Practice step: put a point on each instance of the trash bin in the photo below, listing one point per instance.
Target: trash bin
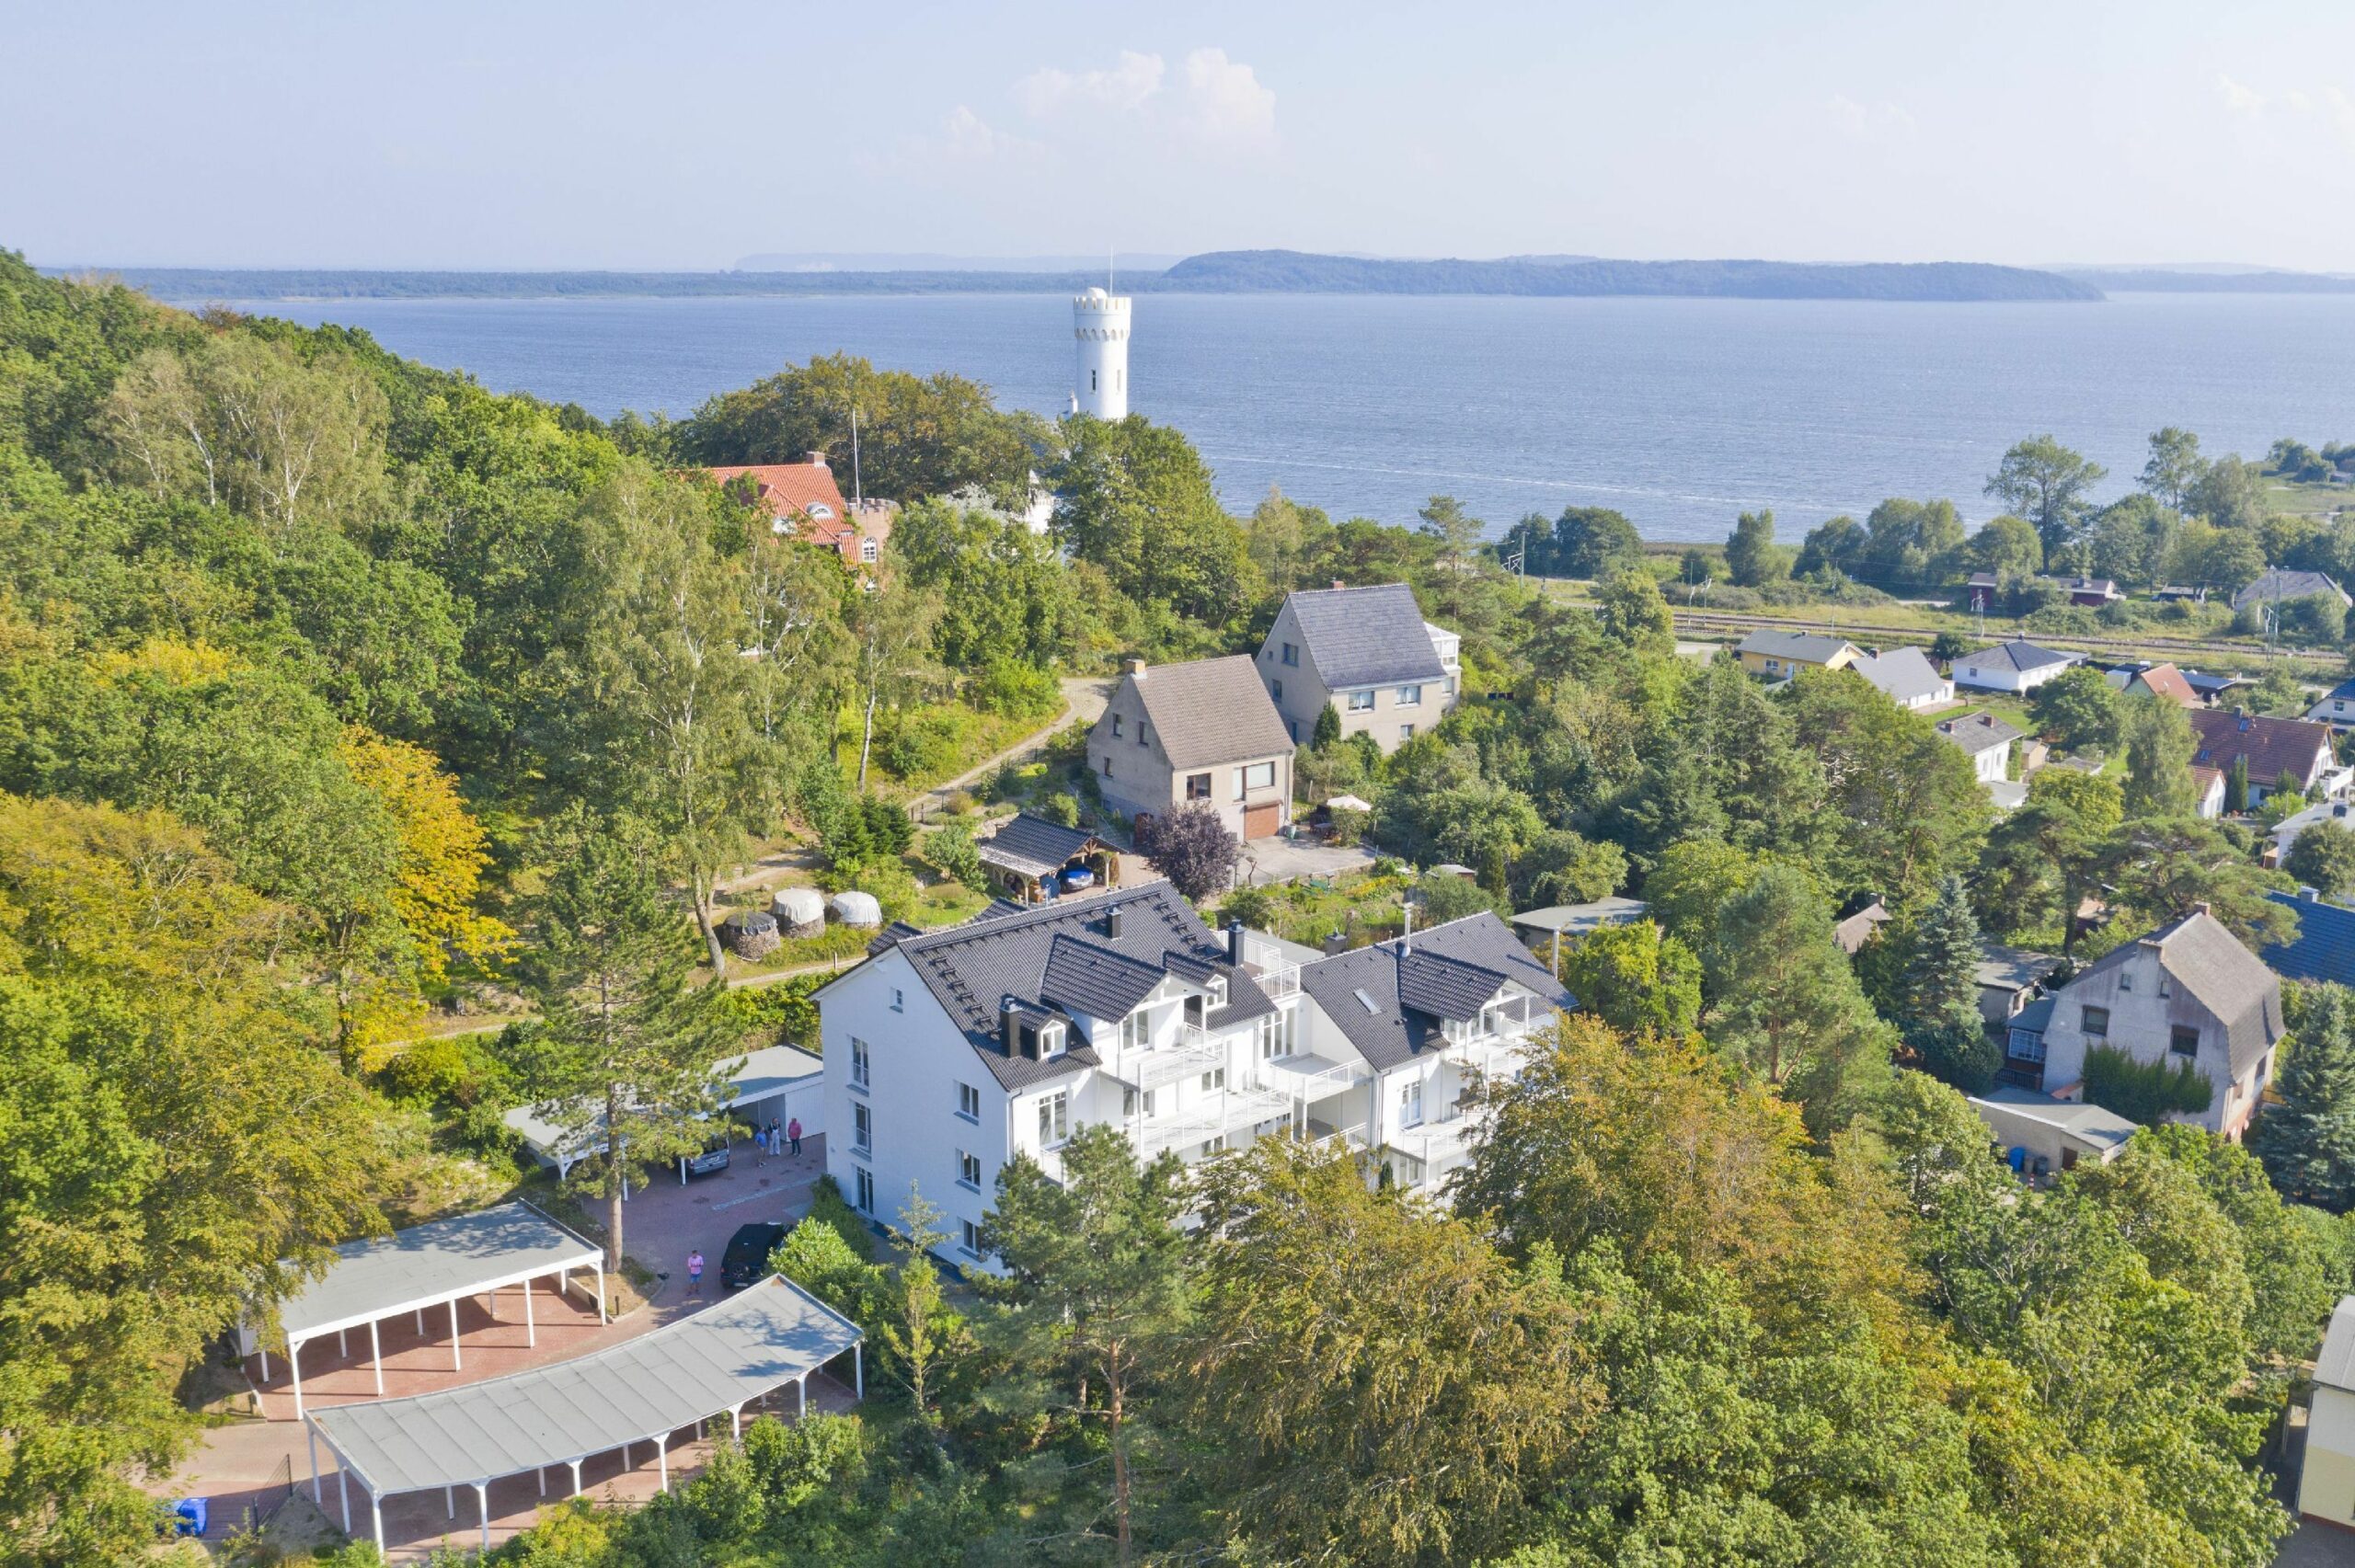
(190, 1516)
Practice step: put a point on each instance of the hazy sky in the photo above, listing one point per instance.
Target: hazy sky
(682, 135)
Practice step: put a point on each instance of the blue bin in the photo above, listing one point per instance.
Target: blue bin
(190, 1516)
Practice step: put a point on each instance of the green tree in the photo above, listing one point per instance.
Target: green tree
(2165, 869)
(2174, 466)
(1634, 977)
(1594, 542)
(627, 1058)
(1457, 531)
(2133, 540)
(2159, 743)
(2236, 787)
(2042, 860)
(2323, 856)
(1560, 866)
(1694, 569)
(1836, 545)
(1751, 554)
(2045, 483)
(1096, 1285)
(2229, 493)
(2308, 1141)
(891, 631)
(923, 1334)
(2008, 546)
(1135, 499)
(1369, 1381)
(1909, 540)
(1908, 806)
(1287, 540)
(1631, 611)
(1004, 593)
(2078, 708)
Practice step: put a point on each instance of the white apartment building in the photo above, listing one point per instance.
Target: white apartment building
(947, 1053)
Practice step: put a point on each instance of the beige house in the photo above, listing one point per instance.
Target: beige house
(1366, 652)
(1205, 731)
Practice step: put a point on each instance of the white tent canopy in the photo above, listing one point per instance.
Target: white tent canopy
(640, 1390)
(437, 1263)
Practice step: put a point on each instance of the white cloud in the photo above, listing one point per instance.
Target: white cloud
(1870, 122)
(1225, 100)
(1126, 85)
(963, 138)
(2239, 96)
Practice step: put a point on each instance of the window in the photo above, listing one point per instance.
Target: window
(2027, 1045)
(821, 512)
(1051, 1042)
(1362, 702)
(863, 1191)
(1134, 1103)
(1214, 1146)
(1091, 380)
(1259, 775)
(2126, 984)
(968, 1170)
(1279, 691)
(899, 1000)
(1292, 655)
(968, 1102)
(972, 1240)
(1117, 722)
(1055, 1118)
(1108, 767)
(2095, 1021)
(1214, 1079)
(867, 550)
(1292, 728)
(862, 1129)
(1405, 732)
(858, 1063)
(1218, 990)
(1276, 1035)
(1197, 786)
(1407, 697)
(1135, 1030)
(1144, 733)
(1410, 1103)
(2183, 1040)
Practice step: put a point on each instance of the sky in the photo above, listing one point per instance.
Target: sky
(536, 135)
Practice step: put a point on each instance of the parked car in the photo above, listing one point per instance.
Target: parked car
(711, 1160)
(747, 1258)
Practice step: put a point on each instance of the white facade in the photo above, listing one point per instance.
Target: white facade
(1100, 323)
(2001, 675)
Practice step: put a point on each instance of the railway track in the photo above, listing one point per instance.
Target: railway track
(2160, 647)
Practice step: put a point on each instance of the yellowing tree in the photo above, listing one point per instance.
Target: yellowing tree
(442, 852)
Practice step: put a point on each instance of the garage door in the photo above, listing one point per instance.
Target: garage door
(1260, 821)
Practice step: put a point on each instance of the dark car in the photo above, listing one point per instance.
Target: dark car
(747, 1258)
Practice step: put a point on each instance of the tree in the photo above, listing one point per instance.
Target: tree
(922, 1334)
(2159, 745)
(1194, 848)
(1694, 569)
(2237, 786)
(1005, 594)
(2174, 466)
(1909, 540)
(1907, 804)
(1836, 545)
(2045, 483)
(2042, 860)
(1368, 1381)
(1287, 540)
(891, 628)
(2078, 708)
(1594, 542)
(2165, 869)
(1634, 977)
(2133, 540)
(2229, 494)
(627, 1058)
(2008, 546)
(1751, 554)
(1458, 533)
(1096, 1284)
(1135, 499)
(2323, 856)
(1445, 896)
(1328, 733)
(2308, 1141)
(1631, 611)
(1560, 866)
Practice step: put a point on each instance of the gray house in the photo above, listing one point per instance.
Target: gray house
(1366, 652)
(2185, 992)
(1203, 731)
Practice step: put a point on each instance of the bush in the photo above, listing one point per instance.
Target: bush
(1194, 848)
(1061, 808)
(1016, 690)
(2144, 1091)
(781, 1014)
(1255, 907)
(951, 848)
(922, 745)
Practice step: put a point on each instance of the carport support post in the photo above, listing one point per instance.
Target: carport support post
(294, 1370)
(376, 1354)
(456, 1363)
(376, 1514)
(531, 1334)
(575, 1476)
(735, 1422)
(858, 1370)
(482, 1507)
(801, 1395)
(600, 1293)
(663, 1459)
(343, 1492)
(317, 1495)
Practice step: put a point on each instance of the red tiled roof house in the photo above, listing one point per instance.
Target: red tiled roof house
(803, 500)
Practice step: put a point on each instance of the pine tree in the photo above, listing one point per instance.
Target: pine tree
(2307, 1142)
(2236, 788)
(1941, 958)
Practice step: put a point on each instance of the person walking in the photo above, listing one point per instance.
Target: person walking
(695, 1272)
(761, 1142)
(793, 1132)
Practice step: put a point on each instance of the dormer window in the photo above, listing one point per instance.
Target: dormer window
(1218, 990)
(821, 512)
(1051, 1042)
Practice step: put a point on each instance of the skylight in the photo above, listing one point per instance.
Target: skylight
(1372, 1007)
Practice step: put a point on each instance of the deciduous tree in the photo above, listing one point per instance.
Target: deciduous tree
(2045, 483)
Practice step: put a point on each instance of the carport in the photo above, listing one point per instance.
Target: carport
(642, 1390)
(434, 1265)
(773, 1083)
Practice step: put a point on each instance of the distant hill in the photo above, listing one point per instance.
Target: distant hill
(2157, 282)
(1217, 272)
(1291, 271)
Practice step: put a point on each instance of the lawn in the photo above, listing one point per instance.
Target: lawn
(1366, 905)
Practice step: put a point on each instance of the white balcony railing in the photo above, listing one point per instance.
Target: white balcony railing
(1188, 1054)
(1224, 1113)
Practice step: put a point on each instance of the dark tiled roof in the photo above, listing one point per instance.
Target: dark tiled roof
(1807, 647)
(2271, 745)
(1365, 636)
(1394, 1031)
(1034, 846)
(2200, 955)
(970, 969)
(2275, 583)
(2324, 948)
(1974, 732)
(1445, 987)
(2035, 1017)
(2018, 654)
(892, 936)
(1211, 711)
(1085, 977)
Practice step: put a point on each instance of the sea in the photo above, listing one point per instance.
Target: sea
(1681, 412)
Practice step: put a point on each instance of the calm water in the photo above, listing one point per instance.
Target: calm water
(1679, 413)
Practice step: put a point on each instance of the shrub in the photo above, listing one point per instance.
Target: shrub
(815, 1256)
(2144, 1091)
(1061, 808)
(951, 848)
(1255, 907)
(1195, 849)
(922, 745)
(1017, 690)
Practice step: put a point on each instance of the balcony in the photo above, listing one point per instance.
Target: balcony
(1442, 1145)
(1265, 962)
(1189, 1054)
(1237, 1108)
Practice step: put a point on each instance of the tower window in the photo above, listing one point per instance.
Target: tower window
(1091, 380)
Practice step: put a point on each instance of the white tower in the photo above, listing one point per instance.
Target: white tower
(1100, 322)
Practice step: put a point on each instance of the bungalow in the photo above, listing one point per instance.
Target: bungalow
(1906, 677)
(1985, 739)
(2091, 592)
(2276, 586)
(803, 502)
(2161, 681)
(1784, 654)
(2187, 993)
(2213, 689)
(2274, 748)
(2014, 666)
(2287, 831)
(2337, 706)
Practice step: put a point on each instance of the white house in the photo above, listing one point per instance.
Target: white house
(947, 1053)
(1366, 652)
(2016, 666)
(2286, 832)
(1906, 677)
(1985, 739)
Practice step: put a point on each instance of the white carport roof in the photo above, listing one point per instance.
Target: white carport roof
(426, 1265)
(766, 1072)
(717, 1360)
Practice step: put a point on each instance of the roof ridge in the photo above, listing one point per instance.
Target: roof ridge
(1042, 914)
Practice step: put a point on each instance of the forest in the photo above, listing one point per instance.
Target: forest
(340, 695)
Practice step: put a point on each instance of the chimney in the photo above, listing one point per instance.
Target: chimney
(817, 459)
(1112, 923)
(1136, 668)
(1009, 1026)
(1339, 585)
(2310, 895)
(1407, 935)
(1235, 943)
(2201, 908)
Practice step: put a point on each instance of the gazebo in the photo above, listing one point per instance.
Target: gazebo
(435, 1264)
(1028, 854)
(642, 1390)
